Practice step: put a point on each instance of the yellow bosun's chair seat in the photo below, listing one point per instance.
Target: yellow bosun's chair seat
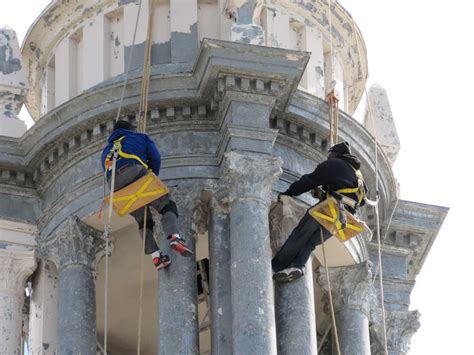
(138, 194)
(326, 213)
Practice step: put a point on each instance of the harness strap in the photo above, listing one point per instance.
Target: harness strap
(359, 190)
(118, 148)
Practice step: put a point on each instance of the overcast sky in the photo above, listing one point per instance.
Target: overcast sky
(422, 53)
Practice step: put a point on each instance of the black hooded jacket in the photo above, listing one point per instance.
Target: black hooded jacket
(332, 174)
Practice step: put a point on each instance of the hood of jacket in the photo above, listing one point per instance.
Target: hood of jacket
(351, 159)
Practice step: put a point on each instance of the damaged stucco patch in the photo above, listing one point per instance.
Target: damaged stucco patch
(184, 45)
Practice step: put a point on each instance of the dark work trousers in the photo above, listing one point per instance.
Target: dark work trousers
(300, 244)
(164, 205)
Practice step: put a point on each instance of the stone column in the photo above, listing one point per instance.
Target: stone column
(178, 328)
(219, 275)
(249, 180)
(75, 250)
(294, 301)
(353, 296)
(15, 267)
(401, 325)
(44, 311)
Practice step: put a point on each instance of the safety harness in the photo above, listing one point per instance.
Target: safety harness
(333, 216)
(119, 153)
(139, 193)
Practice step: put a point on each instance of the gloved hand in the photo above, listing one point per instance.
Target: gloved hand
(285, 193)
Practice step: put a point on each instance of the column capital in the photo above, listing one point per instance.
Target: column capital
(284, 216)
(74, 243)
(401, 326)
(351, 286)
(250, 176)
(15, 268)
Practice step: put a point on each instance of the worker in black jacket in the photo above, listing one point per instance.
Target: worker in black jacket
(339, 171)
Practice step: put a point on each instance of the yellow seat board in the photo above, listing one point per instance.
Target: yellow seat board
(326, 213)
(138, 194)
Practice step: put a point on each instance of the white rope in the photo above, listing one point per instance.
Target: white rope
(376, 208)
(108, 221)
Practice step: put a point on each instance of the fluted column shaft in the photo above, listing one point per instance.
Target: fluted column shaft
(353, 297)
(15, 267)
(178, 329)
(75, 248)
(220, 280)
(294, 301)
(249, 179)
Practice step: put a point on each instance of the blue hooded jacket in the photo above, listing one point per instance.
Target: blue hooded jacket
(135, 143)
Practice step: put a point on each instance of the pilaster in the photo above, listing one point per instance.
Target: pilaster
(220, 275)
(15, 267)
(43, 325)
(245, 29)
(12, 85)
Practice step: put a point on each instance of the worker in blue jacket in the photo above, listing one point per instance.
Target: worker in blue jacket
(144, 153)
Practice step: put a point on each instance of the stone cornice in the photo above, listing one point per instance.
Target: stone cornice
(413, 230)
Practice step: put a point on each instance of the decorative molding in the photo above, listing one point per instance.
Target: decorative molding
(351, 287)
(284, 216)
(401, 326)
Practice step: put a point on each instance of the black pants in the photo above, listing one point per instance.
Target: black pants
(300, 244)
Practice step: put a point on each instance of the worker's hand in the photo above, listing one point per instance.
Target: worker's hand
(285, 193)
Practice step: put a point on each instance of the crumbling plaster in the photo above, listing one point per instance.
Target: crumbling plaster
(61, 19)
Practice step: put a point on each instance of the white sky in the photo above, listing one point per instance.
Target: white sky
(422, 53)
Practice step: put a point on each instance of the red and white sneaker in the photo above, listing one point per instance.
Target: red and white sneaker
(161, 262)
(179, 245)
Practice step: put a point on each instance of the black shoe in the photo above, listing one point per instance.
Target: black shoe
(288, 274)
(161, 262)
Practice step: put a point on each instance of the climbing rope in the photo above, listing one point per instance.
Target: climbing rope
(108, 221)
(331, 303)
(143, 109)
(376, 209)
(331, 97)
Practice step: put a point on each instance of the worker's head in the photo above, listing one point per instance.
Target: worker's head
(339, 149)
(122, 124)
